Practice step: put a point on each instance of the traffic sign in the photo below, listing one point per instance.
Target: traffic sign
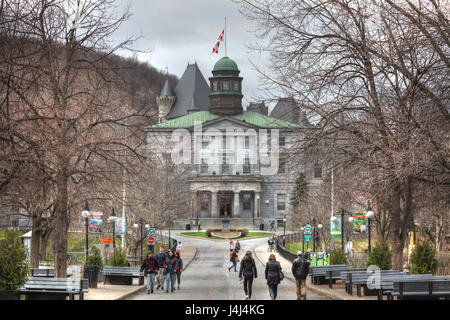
(151, 240)
(107, 241)
(307, 229)
(307, 238)
(151, 232)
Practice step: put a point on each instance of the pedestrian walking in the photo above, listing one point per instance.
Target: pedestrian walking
(199, 223)
(179, 248)
(275, 244)
(179, 270)
(269, 243)
(274, 275)
(237, 246)
(247, 272)
(272, 226)
(308, 255)
(234, 258)
(150, 268)
(171, 266)
(161, 276)
(231, 244)
(300, 270)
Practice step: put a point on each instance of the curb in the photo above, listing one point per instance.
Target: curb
(126, 295)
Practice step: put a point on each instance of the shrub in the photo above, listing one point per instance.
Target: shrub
(118, 258)
(95, 258)
(208, 233)
(338, 256)
(13, 262)
(423, 259)
(244, 232)
(381, 256)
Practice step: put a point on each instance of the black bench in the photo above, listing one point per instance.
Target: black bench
(336, 274)
(43, 273)
(319, 273)
(46, 288)
(390, 286)
(122, 275)
(421, 290)
(360, 278)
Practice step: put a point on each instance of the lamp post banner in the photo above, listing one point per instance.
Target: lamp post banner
(95, 222)
(336, 227)
(359, 222)
(119, 225)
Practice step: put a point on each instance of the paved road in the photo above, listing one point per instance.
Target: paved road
(208, 278)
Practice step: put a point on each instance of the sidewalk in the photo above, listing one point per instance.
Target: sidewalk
(117, 292)
(337, 293)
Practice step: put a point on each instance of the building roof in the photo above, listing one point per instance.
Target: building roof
(167, 89)
(191, 93)
(250, 117)
(288, 110)
(225, 64)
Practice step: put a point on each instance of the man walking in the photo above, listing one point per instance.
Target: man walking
(161, 259)
(199, 225)
(272, 226)
(149, 268)
(300, 270)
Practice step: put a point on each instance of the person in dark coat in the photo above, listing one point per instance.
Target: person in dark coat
(171, 265)
(273, 276)
(237, 246)
(300, 270)
(160, 277)
(180, 269)
(150, 268)
(247, 272)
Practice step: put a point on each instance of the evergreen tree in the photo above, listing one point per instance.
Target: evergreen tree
(381, 256)
(423, 259)
(118, 258)
(337, 256)
(95, 258)
(13, 263)
(300, 192)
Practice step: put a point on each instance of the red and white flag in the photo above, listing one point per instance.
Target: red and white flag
(216, 46)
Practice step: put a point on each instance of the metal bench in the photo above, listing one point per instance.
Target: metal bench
(360, 277)
(390, 286)
(122, 275)
(42, 272)
(46, 288)
(319, 273)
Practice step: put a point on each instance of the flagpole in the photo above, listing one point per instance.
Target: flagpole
(225, 36)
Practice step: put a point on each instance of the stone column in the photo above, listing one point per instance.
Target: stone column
(236, 207)
(257, 209)
(195, 212)
(214, 207)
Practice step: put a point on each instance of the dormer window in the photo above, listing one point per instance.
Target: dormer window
(215, 85)
(236, 85)
(226, 85)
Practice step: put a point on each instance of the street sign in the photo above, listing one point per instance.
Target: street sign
(307, 229)
(151, 232)
(107, 241)
(307, 238)
(151, 240)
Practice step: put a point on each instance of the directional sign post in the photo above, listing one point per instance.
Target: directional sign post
(307, 238)
(151, 232)
(307, 229)
(151, 240)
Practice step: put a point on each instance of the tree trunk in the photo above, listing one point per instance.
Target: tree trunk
(61, 225)
(45, 235)
(35, 240)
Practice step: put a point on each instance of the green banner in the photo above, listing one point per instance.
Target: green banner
(359, 222)
(307, 238)
(335, 227)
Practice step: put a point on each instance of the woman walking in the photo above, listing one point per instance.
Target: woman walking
(248, 271)
(234, 259)
(150, 268)
(170, 266)
(179, 269)
(273, 276)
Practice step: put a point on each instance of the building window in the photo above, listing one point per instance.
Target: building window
(281, 202)
(215, 85)
(247, 142)
(317, 172)
(246, 165)
(282, 165)
(205, 142)
(226, 85)
(204, 167)
(246, 203)
(236, 85)
(282, 141)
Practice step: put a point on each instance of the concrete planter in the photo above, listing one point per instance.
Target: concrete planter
(9, 295)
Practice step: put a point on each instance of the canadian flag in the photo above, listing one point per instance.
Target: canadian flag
(216, 46)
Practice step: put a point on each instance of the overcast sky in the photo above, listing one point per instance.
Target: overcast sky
(177, 32)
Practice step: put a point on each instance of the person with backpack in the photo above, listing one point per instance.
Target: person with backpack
(234, 259)
(269, 243)
(237, 246)
(171, 265)
(150, 268)
(274, 275)
(300, 270)
(160, 276)
(247, 272)
(180, 269)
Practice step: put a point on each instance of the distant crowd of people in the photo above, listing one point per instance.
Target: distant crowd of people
(165, 268)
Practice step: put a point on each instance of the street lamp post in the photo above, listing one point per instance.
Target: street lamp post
(113, 218)
(284, 231)
(303, 242)
(369, 214)
(140, 223)
(85, 215)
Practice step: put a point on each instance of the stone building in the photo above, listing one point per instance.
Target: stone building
(233, 171)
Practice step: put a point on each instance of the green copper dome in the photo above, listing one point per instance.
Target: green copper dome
(225, 64)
